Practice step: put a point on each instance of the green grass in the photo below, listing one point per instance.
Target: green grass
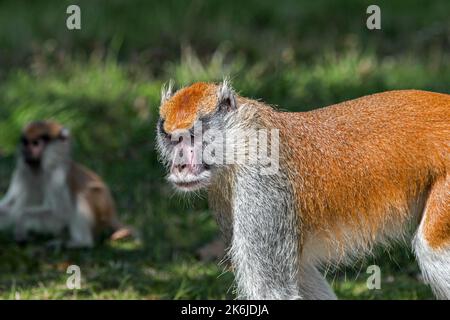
(116, 271)
(103, 82)
(129, 270)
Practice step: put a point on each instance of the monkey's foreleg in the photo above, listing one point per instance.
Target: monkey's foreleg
(5, 209)
(33, 217)
(265, 244)
(4, 206)
(7, 203)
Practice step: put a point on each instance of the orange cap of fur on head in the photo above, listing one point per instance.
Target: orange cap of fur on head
(38, 129)
(182, 110)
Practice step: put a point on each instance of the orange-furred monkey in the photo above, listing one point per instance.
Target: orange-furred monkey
(349, 176)
(49, 192)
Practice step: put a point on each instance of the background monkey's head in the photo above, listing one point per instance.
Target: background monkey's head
(186, 117)
(37, 138)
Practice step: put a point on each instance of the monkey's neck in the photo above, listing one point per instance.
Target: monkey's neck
(220, 192)
(34, 166)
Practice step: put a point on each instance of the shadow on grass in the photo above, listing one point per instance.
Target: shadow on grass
(128, 270)
(400, 277)
(121, 270)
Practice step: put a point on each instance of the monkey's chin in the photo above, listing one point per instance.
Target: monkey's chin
(190, 182)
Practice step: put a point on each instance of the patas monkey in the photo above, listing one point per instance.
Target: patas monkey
(350, 176)
(50, 193)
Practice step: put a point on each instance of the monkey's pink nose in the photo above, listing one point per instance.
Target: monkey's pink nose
(186, 169)
(180, 168)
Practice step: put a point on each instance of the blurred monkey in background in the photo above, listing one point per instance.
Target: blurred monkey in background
(49, 193)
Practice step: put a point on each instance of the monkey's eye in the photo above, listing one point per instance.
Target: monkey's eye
(45, 138)
(161, 128)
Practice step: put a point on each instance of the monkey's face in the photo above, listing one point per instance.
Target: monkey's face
(185, 119)
(35, 139)
(187, 171)
(33, 149)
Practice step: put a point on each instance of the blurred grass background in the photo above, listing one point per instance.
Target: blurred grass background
(103, 82)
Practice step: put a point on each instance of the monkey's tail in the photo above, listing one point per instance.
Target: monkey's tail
(122, 231)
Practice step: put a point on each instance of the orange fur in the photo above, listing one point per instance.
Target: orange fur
(181, 111)
(39, 128)
(437, 214)
(363, 164)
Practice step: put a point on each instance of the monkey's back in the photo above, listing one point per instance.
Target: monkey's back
(366, 163)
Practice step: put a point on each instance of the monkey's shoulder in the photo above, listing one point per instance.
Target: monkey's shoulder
(82, 179)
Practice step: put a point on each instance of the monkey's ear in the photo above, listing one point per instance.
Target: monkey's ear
(226, 97)
(64, 134)
(167, 91)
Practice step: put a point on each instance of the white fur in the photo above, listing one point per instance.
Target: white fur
(226, 93)
(167, 91)
(80, 226)
(434, 263)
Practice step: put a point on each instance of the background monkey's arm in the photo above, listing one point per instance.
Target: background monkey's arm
(11, 195)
